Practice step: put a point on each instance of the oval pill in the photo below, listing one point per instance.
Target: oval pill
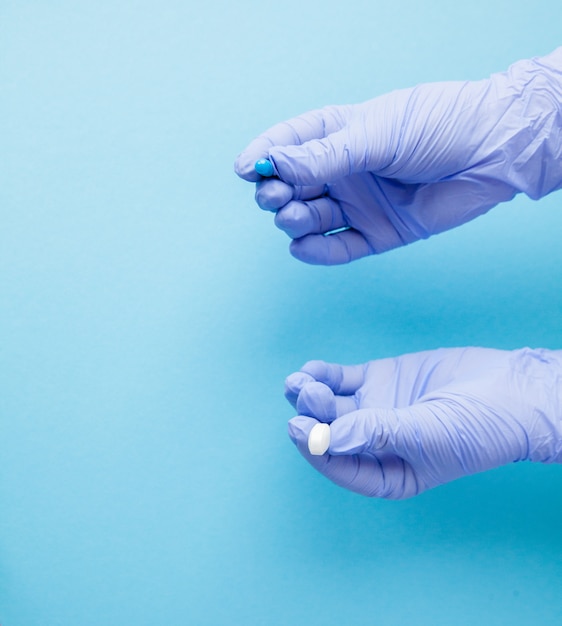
(319, 439)
(264, 167)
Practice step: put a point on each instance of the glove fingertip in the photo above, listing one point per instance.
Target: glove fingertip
(309, 249)
(323, 250)
(299, 428)
(337, 248)
(293, 385)
(244, 167)
(272, 194)
(317, 400)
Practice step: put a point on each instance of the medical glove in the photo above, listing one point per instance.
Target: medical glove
(403, 425)
(412, 163)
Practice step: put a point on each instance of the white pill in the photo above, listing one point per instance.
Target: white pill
(319, 439)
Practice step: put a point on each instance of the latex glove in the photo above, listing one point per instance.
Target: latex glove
(411, 163)
(401, 426)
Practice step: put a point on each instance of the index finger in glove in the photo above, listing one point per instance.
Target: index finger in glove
(315, 124)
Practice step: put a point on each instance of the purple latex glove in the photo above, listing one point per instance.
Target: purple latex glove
(401, 426)
(411, 163)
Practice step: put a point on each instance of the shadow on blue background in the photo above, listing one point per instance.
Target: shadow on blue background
(149, 314)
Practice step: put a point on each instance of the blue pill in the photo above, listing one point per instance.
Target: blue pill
(264, 168)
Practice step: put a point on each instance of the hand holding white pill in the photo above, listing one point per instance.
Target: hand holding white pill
(396, 427)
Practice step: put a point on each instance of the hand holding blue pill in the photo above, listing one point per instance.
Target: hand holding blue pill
(398, 427)
(409, 164)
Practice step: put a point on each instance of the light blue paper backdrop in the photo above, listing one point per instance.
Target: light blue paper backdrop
(149, 314)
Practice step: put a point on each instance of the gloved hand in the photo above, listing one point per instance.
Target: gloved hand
(411, 163)
(401, 426)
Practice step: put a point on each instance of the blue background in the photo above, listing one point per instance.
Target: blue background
(149, 314)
